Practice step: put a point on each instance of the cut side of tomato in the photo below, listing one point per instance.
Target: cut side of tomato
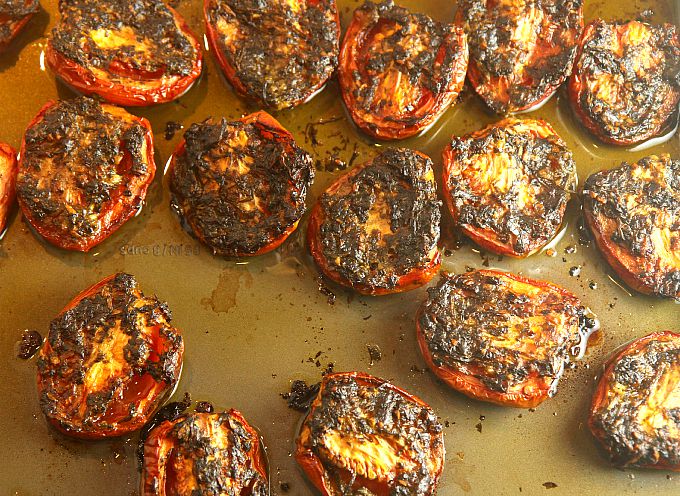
(633, 212)
(128, 53)
(376, 228)
(204, 453)
(14, 15)
(520, 52)
(8, 176)
(400, 71)
(240, 187)
(625, 87)
(109, 361)
(507, 185)
(84, 171)
(364, 435)
(634, 413)
(279, 54)
(501, 337)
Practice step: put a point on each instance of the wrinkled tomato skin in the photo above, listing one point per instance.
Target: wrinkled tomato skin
(8, 176)
(426, 110)
(85, 82)
(125, 212)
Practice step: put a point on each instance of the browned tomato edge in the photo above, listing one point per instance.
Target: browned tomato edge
(55, 238)
(311, 464)
(7, 202)
(108, 433)
(152, 445)
(16, 29)
(85, 82)
(383, 128)
(603, 386)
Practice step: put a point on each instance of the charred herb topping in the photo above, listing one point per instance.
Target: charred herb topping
(637, 207)
(635, 413)
(371, 432)
(513, 179)
(12, 12)
(521, 51)
(501, 330)
(81, 161)
(281, 52)
(630, 77)
(143, 36)
(240, 186)
(99, 349)
(301, 395)
(384, 223)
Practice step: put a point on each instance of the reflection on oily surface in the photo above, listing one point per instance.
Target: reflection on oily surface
(282, 326)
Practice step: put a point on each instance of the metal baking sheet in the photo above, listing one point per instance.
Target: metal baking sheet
(251, 326)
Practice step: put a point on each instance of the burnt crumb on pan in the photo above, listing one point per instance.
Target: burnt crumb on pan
(636, 209)
(514, 66)
(325, 290)
(240, 186)
(284, 486)
(386, 223)
(171, 127)
(374, 353)
(301, 395)
(204, 407)
(13, 12)
(549, 485)
(30, 343)
(635, 414)
(166, 48)
(626, 82)
(281, 55)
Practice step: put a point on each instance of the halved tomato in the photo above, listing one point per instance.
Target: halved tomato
(240, 186)
(204, 453)
(376, 228)
(626, 85)
(520, 52)
(364, 435)
(110, 359)
(400, 71)
(507, 185)
(635, 410)
(500, 337)
(279, 54)
(84, 170)
(129, 53)
(633, 212)
(8, 176)
(14, 15)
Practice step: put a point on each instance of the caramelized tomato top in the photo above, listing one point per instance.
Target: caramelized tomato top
(635, 210)
(509, 183)
(211, 454)
(241, 185)
(399, 71)
(381, 221)
(108, 361)
(365, 436)
(139, 40)
(636, 409)
(13, 12)
(278, 52)
(626, 82)
(84, 170)
(520, 51)
(511, 334)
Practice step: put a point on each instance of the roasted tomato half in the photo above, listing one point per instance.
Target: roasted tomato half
(507, 185)
(501, 337)
(129, 53)
(84, 170)
(520, 52)
(204, 453)
(400, 71)
(633, 212)
(635, 413)
(8, 175)
(14, 15)
(626, 81)
(279, 54)
(111, 357)
(363, 435)
(240, 186)
(376, 228)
